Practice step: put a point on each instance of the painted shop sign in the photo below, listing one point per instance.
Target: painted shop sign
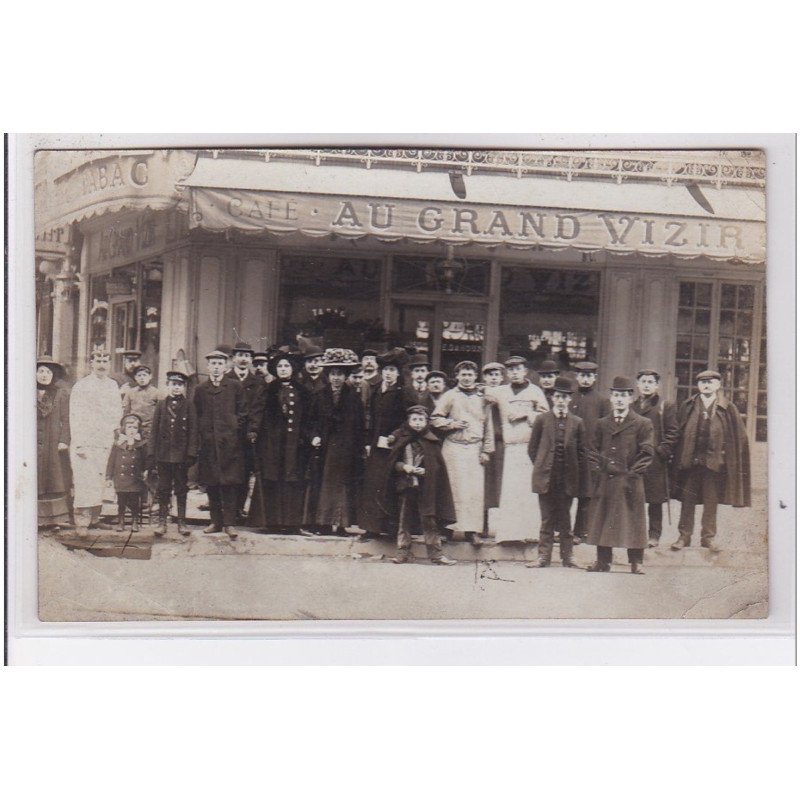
(460, 223)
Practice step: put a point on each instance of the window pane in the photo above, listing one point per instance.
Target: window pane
(726, 323)
(744, 323)
(742, 376)
(740, 400)
(333, 301)
(702, 321)
(726, 370)
(684, 347)
(457, 276)
(728, 297)
(761, 430)
(98, 313)
(704, 295)
(700, 352)
(685, 320)
(683, 374)
(549, 313)
(726, 348)
(762, 403)
(742, 349)
(746, 296)
(686, 297)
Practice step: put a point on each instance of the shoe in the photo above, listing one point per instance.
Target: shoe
(232, 532)
(599, 566)
(652, 542)
(212, 528)
(120, 524)
(636, 569)
(679, 544)
(542, 563)
(443, 561)
(134, 527)
(182, 529)
(403, 557)
(576, 540)
(568, 563)
(161, 528)
(710, 546)
(473, 538)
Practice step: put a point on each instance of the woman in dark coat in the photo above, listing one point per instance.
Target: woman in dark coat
(386, 414)
(280, 416)
(338, 441)
(52, 440)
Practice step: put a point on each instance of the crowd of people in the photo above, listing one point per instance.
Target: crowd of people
(327, 442)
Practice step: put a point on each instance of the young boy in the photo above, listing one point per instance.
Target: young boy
(423, 490)
(141, 398)
(172, 448)
(125, 469)
(557, 449)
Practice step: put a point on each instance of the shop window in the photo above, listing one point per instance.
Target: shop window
(333, 301)
(450, 275)
(150, 313)
(761, 395)
(549, 314)
(715, 330)
(98, 313)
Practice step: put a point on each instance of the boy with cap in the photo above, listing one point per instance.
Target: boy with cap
(172, 448)
(519, 403)
(712, 459)
(125, 470)
(141, 398)
(221, 419)
(557, 450)
(661, 414)
(590, 406)
(462, 413)
(424, 498)
(620, 453)
(548, 371)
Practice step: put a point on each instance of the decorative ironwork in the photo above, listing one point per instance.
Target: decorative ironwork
(728, 168)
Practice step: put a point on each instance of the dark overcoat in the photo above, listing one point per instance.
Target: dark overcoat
(126, 465)
(542, 452)
(664, 417)
(619, 456)
(386, 414)
(411, 397)
(340, 426)
(251, 385)
(284, 431)
(52, 429)
(173, 434)
(591, 407)
(728, 453)
(221, 417)
(435, 495)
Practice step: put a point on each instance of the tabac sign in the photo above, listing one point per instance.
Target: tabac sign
(461, 223)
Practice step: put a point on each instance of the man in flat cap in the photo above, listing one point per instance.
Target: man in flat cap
(221, 421)
(519, 402)
(548, 371)
(242, 357)
(557, 449)
(662, 414)
(620, 453)
(712, 460)
(95, 408)
(591, 407)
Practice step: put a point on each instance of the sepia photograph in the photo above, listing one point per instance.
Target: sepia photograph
(350, 383)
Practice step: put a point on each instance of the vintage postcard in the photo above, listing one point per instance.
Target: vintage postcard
(400, 384)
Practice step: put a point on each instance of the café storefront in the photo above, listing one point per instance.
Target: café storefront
(463, 255)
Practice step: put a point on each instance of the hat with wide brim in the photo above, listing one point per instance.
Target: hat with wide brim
(55, 367)
(293, 358)
(622, 383)
(341, 358)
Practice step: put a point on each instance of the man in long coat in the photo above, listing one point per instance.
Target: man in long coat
(620, 454)
(221, 418)
(95, 409)
(590, 406)
(557, 449)
(712, 460)
(665, 430)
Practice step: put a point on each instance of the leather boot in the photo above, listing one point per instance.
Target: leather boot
(182, 529)
(163, 510)
(680, 543)
(121, 521)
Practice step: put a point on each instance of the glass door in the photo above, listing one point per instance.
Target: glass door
(415, 324)
(461, 334)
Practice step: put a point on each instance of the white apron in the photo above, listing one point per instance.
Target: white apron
(89, 475)
(519, 517)
(465, 472)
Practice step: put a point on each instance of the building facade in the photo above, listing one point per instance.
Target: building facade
(631, 259)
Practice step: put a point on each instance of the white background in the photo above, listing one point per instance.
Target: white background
(386, 732)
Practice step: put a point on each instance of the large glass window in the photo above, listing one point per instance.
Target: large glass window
(549, 314)
(334, 301)
(449, 275)
(694, 334)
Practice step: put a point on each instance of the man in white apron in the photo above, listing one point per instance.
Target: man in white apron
(519, 403)
(95, 409)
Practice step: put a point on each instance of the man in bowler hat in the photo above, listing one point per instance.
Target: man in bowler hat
(620, 453)
(548, 372)
(557, 449)
(712, 460)
(415, 392)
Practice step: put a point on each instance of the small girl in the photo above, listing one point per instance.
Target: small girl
(125, 469)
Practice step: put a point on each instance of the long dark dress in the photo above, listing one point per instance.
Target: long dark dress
(281, 416)
(386, 414)
(340, 425)
(52, 429)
